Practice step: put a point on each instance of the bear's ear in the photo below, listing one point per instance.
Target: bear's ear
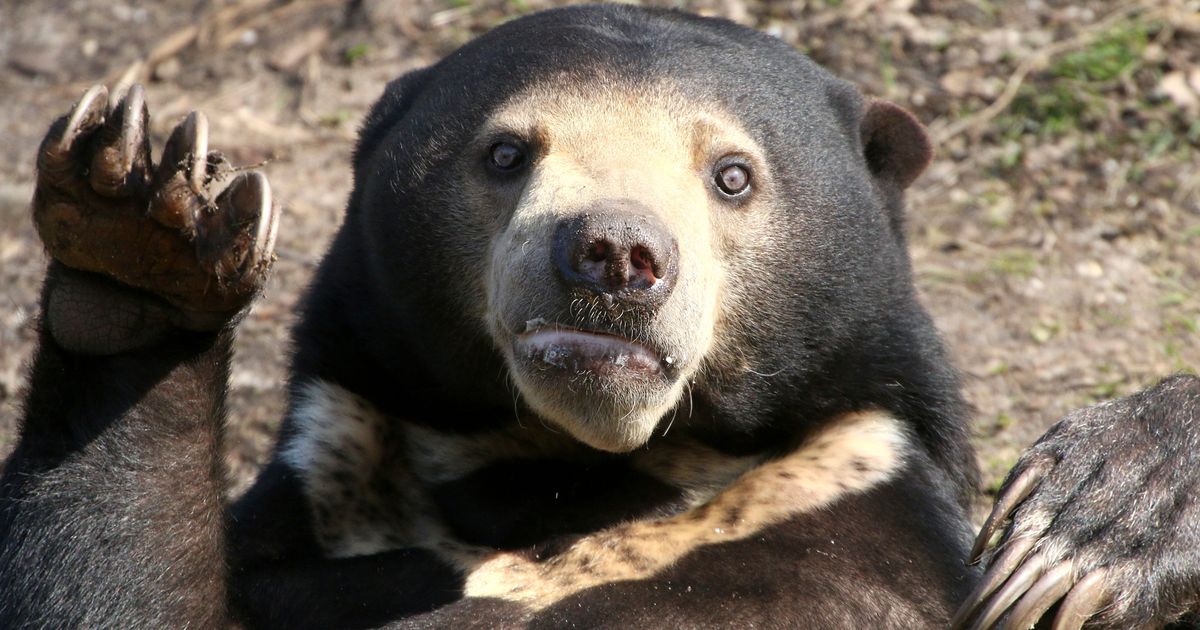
(895, 143)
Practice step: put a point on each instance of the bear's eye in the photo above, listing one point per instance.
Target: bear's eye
(506, 156)
(733, 179)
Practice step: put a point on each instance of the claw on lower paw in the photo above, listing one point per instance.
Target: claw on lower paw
(1083, 602)
(1050, 588)
(1010, 497)
(1014, 588)
(1009, 560)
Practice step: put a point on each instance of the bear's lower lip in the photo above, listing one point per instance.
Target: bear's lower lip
(577, 351)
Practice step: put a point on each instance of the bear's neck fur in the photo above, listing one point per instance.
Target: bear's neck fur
(351, 334)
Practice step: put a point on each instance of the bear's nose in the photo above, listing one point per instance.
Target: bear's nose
(616, 249)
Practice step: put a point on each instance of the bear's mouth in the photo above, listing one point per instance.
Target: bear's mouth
(577, 351)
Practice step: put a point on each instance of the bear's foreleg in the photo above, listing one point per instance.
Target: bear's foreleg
(111, 506)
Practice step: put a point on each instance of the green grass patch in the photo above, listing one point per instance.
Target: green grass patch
(887, 68)
(1193, 132)
(1014, 262)
(1043, 332)
(357, 52)
(1069, 95)
(1182, 326)
(1173, 298)
(335, 119)
(1105, 390)
(518, 6)
(1112, 55)
(1050, 110)
(1002, 465)
(1110, 318)
(1178, 362)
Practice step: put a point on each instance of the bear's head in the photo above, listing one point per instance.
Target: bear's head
(626, 215)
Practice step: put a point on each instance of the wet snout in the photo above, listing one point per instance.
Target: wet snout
(619, 249)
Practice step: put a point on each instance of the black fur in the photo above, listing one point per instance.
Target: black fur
(111, 510)
(110, 506)
(868, 343)
(526, 502)
(1118, 493)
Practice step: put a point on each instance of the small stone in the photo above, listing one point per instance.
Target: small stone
(290, 57)
(1089, 269)
(167, 70)
(35, 63)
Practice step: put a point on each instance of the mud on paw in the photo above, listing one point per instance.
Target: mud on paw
(191, 230)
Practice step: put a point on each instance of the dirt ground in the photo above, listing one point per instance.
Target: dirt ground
(1056, 238)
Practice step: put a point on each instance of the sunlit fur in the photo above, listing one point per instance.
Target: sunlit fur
(667, 147)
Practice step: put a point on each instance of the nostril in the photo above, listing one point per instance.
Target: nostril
(597, 251)
(642, 259)
(626, 255)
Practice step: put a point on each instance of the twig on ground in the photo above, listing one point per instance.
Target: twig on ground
(273, 16)
(254, 13)
(176, 42)
(1037, 61)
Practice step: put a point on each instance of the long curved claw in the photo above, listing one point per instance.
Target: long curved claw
(1010, 497)
(241, 233)
(1013, 589)
(86, 117)
(1041, 596)
(179, 182)
(121, 160)
(1010, 559)
(198, 167)
(135, 142)
(254, 199)
(1084, 601)
(264, 250)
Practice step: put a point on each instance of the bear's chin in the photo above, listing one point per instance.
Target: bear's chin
(612, 435)
(606, 391)
(599, 425)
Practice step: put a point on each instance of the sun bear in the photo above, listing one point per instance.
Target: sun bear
(619, 331)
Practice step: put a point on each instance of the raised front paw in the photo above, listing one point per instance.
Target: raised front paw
(1105, 520)
(190, 230)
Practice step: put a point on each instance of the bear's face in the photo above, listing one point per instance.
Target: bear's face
(607, 277)
(627, 216)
